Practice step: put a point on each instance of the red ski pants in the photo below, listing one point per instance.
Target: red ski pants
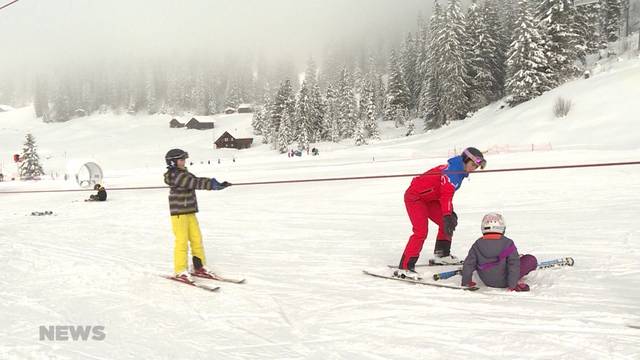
(420, 212)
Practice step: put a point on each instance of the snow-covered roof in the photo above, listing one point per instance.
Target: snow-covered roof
(245, 106)
(4, 108)
(237, 133)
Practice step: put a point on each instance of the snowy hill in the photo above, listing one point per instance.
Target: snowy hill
(302, 247)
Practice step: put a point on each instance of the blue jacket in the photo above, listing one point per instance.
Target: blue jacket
(456, 167)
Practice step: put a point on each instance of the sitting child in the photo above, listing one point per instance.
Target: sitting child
(496, 258)
(100, 196)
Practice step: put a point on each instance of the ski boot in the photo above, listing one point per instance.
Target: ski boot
(407, 274)
(442, 254)
(185, 277)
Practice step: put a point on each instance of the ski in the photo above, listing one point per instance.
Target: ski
(218, 278)
(198, 285)
(566, 261)
(428, 283)
(431, 263)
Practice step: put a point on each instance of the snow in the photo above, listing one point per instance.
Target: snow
(5, 108)
(303, 246)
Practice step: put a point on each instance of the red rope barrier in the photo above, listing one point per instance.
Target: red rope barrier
(558, 167)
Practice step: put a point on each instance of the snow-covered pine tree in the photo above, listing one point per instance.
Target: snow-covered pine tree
(453, 74)
(509, 15)
(284, 136)
(409, 67)
(311, 73)
(373, 77)
(331, 127)
(150, 92)
(357, 80)
(262, 118)
(561, 41)
(479, 53)
(233, 97)
(398, 97)
(368, 110)
(317, 115)
(432, 86)
(526, 60)
(62, 107)
(359, 136)
(41, 97)
(175, 93)
(199, 100)
(347, 107)
(316, 106)
(612, 10)
(284, 103)
(589, 25)
(212, 104)
(495, 50)
(30, 167)
(304, 114)
(257, 121)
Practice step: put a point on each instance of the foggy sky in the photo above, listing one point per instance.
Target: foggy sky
(55, 31)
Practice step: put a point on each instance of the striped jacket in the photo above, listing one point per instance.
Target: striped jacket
(182, 196)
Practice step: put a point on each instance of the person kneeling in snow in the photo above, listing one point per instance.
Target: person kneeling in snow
(100, 196)
(496, 258)
(183, 206)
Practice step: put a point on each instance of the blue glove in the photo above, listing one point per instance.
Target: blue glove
(215, 185)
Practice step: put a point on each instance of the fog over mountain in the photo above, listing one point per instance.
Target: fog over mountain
(44, 33)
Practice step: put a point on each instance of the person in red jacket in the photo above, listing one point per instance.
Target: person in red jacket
(429, 197)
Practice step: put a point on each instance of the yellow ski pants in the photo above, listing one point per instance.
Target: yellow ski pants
(186, 229)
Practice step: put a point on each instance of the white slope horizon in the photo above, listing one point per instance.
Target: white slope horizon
(302, 246)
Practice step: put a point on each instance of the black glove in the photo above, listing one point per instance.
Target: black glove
(450, 223)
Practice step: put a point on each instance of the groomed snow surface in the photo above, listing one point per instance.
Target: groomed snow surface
(303, 246)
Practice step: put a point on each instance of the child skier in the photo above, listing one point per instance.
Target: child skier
(100, 196)
(430, 196)
(496, 258)
(184, 206)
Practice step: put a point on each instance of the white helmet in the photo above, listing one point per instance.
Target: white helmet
(493, 223)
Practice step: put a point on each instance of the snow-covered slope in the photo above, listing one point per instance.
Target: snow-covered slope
(302, 246)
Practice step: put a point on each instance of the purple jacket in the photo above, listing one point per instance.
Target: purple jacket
(496, 259)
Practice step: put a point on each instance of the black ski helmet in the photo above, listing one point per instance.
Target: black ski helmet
(475, 155)
(173, 155)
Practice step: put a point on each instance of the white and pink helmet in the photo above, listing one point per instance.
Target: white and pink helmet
(493, 223)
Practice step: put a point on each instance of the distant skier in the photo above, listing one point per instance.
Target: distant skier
(100, 196)
(496, 258)
(183, 206)
(430, 196)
